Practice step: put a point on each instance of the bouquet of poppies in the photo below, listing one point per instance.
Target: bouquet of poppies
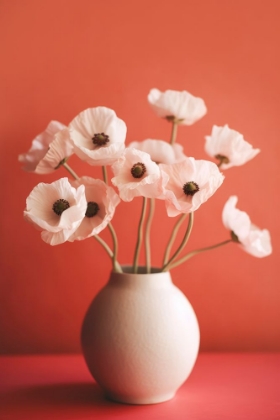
(80, 208)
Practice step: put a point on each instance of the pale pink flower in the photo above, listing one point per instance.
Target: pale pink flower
(101, 204)
(137, 175)
(57, 209)
(182, 106)
(251, 239)
(229, 147)
(48, 150)
(160, 151)
(98, 136)
(191, 182)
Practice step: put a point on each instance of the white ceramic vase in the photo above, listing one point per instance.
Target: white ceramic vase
(140, 338)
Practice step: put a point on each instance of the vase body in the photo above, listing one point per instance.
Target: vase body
(140, 338)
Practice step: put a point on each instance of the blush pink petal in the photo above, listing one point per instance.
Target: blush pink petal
(39, 148)
(253, 240)
(60, 149)
(107, 200)
(160, 151)
(258, 242)
(39, 210)
(150, 185)
(236, 220)
(181, 105)
(95, 121)
(204, 173)
(231, 144)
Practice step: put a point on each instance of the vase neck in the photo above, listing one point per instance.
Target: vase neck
(142, 280)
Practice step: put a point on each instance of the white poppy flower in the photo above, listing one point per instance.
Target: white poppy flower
(160, 151)
(57, 209)
(137, 175)
(182, 107)
(48, 150)
(101, 204)
(191, 182)
(98, 136)
(229, 147)
(251, 239)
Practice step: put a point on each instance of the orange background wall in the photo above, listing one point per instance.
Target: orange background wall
(60, 57)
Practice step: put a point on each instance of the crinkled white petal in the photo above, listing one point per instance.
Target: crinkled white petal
(39, 209)
(57, 238)
(231, 144)
(236, 220)
(105, 155)
(149, 185)
(59, 149)
(181, 105)
(204, 173)
(95, 121)
(160, 151)
(258, 242)
(107, 200)
(253, 240)
(39, 147)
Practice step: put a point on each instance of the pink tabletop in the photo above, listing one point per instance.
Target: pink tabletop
(221, 387)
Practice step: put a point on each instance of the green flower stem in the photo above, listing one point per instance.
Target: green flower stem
(115, 242)
(173, 237)
(198, 251)
(147, 234)
(139, 236)
(167, 266)
(173, 132)
(116, 265)
(104, 172)
(70, 170)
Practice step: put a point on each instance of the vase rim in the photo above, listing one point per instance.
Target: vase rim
(128, 269)
(155, 279)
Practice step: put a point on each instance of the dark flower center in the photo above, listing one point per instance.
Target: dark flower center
(234, 237)
(100, 139)
(171, 118)
(222, 159)
(61, 163)
(92, 209)
(138, 170)
(60, 206)
(190, 188)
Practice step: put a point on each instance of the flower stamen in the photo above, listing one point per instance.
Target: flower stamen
(222, 159)
(92, 209)
(190, 188)
(234, 237)
(60, 206)
(171, 118)
(100, 139)
(61, 163)
(138, 170)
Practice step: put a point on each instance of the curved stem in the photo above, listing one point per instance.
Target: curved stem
(139, 236)
(147, 234)
(198, 251)
(173, 132)
(173, 237)
(112, 230)
(104, 172)
(183, 243)
(115, 242)
(116, 265)
(70, 170)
